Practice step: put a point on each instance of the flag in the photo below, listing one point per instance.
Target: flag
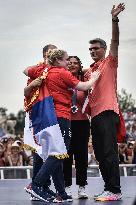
(44, 127)
(29, 140)
(121, 130)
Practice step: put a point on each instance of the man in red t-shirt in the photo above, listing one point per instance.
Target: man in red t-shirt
(105, 110)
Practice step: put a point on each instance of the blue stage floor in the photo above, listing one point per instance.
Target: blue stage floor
(12, 192)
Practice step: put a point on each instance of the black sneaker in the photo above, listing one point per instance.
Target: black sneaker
(50, 192)
(40, 194)
(33, 198)
(62, 198)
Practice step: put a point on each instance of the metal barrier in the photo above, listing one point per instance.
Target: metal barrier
(125, 169)
(11, 172)
(25, 172)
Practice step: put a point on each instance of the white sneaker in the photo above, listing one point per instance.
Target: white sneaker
(81, 193)
(68, 190)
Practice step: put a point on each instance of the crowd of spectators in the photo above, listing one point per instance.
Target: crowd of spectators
(12, 152)
(127, 149)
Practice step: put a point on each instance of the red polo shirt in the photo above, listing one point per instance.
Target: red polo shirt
(104, 94)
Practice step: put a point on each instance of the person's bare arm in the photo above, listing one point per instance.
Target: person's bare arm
(88, 84)
(35, 83)
(115, 29)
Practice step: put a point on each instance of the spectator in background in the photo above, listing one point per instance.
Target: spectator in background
(4, 141)
(123, 158)
(8, 144)
(129, 151)
(15, 158)
(2, 158)
(134, 130)
(128, 131)
(134, 154)
(25, 153)
(30, 161)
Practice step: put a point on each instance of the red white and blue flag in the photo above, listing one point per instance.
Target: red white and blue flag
(42, 131)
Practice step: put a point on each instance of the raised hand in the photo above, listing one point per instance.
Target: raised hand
(116, 10)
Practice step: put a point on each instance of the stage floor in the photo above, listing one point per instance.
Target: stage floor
(12, 192)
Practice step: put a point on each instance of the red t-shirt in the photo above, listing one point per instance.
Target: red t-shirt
(36, 70)
(60, 83)
(79, 103)
(33, 73)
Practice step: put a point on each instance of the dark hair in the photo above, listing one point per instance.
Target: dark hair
(99, 40)
(80, 72)
(47, 47)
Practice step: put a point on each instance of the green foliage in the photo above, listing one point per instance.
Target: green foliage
(20, 118)
(3, 111)
(126, 101)
(11, 116)
(19, 121)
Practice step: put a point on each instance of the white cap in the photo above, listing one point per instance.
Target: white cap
(15, 144)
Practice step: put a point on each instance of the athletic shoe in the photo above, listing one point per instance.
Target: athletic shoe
(33, 198)
(108, 196)
(81, 193)
(28, 188)
(68, 190)
(50, 192)
(97, 195)
(40, 194)
(63, 198)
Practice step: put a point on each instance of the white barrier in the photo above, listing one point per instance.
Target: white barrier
(90, 168)
(124, 166)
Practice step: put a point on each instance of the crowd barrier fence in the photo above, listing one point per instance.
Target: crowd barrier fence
(25, 172)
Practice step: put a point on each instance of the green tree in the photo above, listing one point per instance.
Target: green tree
(126, 101)
(11, 122)
(11, 116)
(3, 111)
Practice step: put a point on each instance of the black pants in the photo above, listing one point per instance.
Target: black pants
(37, 164)
(104, 139)
(53, 166)
(79, 149)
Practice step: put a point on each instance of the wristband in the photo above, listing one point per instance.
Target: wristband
(115, 19)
